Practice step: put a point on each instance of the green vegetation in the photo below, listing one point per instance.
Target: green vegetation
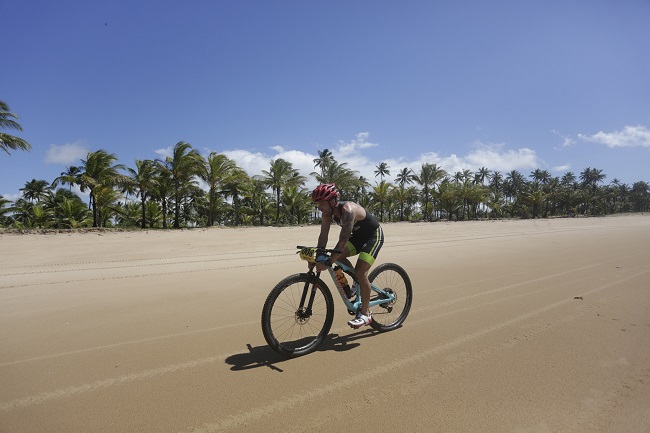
(7, 122)
(156, 192)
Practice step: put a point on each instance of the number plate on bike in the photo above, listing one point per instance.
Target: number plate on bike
(308, 254)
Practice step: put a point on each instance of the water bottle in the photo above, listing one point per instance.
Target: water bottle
(340, 276)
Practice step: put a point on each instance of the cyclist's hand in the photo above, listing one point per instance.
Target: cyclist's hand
(322, 262)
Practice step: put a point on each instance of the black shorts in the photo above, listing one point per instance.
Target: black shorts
(366, 246)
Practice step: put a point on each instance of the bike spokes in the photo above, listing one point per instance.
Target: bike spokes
(394, 286)
(297, 315)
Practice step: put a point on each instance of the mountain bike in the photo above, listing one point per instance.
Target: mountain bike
(299, 310)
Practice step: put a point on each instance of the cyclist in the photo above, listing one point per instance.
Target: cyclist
(360, 234)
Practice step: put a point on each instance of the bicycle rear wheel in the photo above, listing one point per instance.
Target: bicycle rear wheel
(392, 279)
(290, 329)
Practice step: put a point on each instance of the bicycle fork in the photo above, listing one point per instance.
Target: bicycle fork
(304, 312)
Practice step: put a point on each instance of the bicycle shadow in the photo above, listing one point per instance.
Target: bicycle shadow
(264, 356)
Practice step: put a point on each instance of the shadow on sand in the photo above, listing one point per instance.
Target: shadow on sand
(264, 356)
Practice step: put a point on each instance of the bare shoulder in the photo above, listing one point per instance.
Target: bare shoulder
(356, 210)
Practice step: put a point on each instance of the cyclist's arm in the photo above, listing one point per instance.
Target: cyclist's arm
(325, 225)
(347, 223)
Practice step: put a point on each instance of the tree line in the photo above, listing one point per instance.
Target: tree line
(166, 192)
(187, 189)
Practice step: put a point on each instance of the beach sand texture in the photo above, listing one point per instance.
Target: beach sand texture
(528, 326)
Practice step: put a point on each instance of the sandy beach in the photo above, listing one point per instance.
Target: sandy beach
(530, 326)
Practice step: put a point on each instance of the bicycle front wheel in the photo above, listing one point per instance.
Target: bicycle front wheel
(394, 280)
(290, 327)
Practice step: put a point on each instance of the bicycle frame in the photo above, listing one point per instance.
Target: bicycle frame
(351, 306)
(306, 307)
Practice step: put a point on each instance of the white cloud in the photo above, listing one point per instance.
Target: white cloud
(495, 158)
(66, 153)
(630, 136)
(11, 197)
(562, 168)
(252, 162)
(566, 140)
(352, 148)
(492, 156)
(165, 152)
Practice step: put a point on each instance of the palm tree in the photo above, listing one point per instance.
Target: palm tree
(237, 186)
(36, 190)
(382, 170)
(98, 172)
(640, 196)
(590, 178)
(22, 213)
(405, 177)
(540, 177)
(280, 175)
(325, 158)
(401, 196)
(129, 214)
(569, 179)
(482, 174)
(381, 193)
(217, 172)
(465, 189)
(361, 186)
(346, 180)
(430, 175)
(296, 204)
(154, 214)
(41, 216)
(163, 188)
(72, 213)
(536, 197)
(143, 180)
(70, 177)
(449, 197)
(6, 122)
(182, 167)
(515, 182)
(3, 210)
(106, 198)
(260, 203)
(496, 179)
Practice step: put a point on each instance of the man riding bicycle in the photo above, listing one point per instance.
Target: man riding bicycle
(360, 234)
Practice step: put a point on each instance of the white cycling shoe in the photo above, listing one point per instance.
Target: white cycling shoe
(360, 320)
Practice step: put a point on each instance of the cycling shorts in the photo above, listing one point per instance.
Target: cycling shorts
(366, 246)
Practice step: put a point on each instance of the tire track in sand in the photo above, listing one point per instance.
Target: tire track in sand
(289, 402)
(244, 417)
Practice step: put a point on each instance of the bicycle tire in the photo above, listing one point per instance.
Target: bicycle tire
(391, 277)
(285, 327)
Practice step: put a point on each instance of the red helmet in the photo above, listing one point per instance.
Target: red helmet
(324, 192)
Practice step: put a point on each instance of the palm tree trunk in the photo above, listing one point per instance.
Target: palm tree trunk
(94, 207)
(164, 211)
(144, 215)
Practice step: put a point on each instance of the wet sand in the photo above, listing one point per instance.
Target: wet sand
(516, 326)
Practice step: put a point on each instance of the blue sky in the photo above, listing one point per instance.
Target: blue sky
(559, 85)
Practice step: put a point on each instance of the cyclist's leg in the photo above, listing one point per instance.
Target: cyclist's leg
(361, 270)
(367, 254)
(348, 251)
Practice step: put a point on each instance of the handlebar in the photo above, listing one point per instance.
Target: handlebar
(324, 250)
(309, 253)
